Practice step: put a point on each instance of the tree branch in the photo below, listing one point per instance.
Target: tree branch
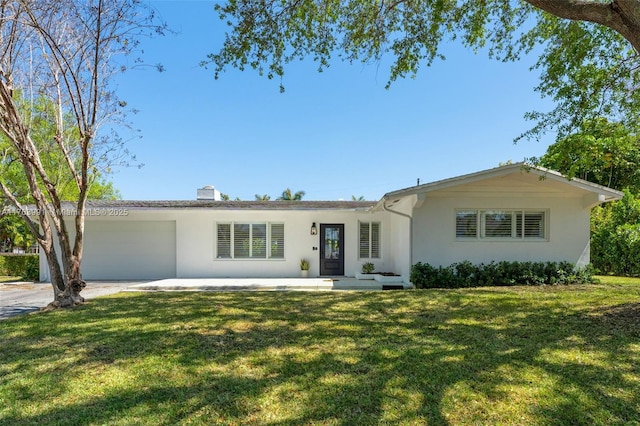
(622, 16)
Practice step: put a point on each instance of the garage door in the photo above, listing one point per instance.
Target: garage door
(129, 250)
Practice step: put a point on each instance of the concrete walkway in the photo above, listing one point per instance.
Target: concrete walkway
(256, 284)
(22, 297)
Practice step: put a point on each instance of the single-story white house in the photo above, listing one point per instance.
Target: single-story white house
(513, 212)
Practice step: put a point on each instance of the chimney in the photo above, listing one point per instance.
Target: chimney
(208, 192)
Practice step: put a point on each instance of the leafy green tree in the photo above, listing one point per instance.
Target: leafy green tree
(606, 153)
(264, 197)
(288, 195)
(589, 49)
(603, 152)
(354, 198)
(615, 237)
(56, 63)
(14, 233)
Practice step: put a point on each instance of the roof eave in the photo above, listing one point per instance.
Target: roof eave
(609, 193)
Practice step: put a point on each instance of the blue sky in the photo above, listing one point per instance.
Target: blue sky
(333, 134)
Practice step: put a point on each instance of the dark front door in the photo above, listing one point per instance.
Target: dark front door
(331, 249)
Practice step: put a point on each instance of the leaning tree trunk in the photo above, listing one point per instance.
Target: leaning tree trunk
(57, 278)
(72, 275)
(68, 285)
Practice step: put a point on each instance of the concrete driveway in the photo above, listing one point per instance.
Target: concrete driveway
(23, 297)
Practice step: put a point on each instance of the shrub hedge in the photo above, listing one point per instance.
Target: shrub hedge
(25, 266)
(466, 274)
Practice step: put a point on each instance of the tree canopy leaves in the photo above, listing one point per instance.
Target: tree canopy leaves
(601, 152)
(588, 69)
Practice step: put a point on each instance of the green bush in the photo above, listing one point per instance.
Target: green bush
(615, 237)
(466, 274)
(25, 266)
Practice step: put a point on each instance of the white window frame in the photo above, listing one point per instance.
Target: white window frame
(370, 240)
(517, 215)
(269, 255)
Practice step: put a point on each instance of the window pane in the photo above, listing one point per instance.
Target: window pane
(241, 240)
(277, 241)
(466, 224)
(364, 240)
(332, 242)
(534, 225)
(497, 224)
(259, 240)
(375, 240)
(224, 241)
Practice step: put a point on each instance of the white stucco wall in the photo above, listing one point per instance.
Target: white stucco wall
(129, 249)
(567, 222)
(196, 243)
(138, 245)
(399, 226)
(109, 238)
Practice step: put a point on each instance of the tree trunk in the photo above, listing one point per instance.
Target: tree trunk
(57, 279)
(66, 287)
(75, 283)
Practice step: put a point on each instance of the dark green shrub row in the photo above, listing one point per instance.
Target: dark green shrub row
(466, 274)
(20, 265)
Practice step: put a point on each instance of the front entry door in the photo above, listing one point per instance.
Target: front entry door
(331, 249)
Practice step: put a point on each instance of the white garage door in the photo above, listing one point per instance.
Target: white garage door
(129, 250)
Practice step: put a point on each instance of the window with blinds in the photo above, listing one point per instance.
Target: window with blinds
(277, 241)
(497, 224)
(500, 224)
(224, 241)
(531, 225)
(467, 224)
(250, 241)
(369, 240)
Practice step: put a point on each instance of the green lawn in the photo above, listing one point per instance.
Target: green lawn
(5, 279)
(537, 355)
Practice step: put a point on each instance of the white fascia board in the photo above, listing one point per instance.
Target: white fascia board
(608, 193)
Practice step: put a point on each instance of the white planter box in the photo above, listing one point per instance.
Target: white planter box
(365, 276)
(387, 279)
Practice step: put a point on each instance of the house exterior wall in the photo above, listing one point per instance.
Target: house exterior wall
(418, 224)
(567, 233)
(137, 245)
(129, 249)
(195, 243)
(398, 218)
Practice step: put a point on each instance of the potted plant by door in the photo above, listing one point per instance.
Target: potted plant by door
(367, 271)
(304, 268)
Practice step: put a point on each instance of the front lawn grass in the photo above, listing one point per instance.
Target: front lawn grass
(7, 279)
(515, 355)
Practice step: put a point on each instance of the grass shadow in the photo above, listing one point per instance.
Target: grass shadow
(550, 355)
